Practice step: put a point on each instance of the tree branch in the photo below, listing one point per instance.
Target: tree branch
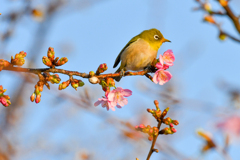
(234, 18)
(72, 73)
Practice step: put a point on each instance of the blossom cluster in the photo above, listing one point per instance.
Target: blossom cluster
(43, 80)
(162, 76)
(75, 83)
(4, 63)
(151, 131)
(170, 129)
(159, 116)
(113, 98)
(19, 58)
(51, 61)
(4, 99)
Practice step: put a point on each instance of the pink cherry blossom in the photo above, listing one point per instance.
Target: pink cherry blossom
(161, 76)
(231, 126)
(117, 95)
(159, 65)
(105, 103)
(168, 57)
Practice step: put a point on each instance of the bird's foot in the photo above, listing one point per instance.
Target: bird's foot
(122, 73)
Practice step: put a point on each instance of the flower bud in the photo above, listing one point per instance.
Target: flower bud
(142, 126)
(209, 19)
(222, 36)
(4, 63)
(102, 68)
(53, 78)
(6, 96)
(74, 83)
(47, 61)
(62, 61)
(91, 73)
(51, 54)
(4, 99)
(155, 131)
(38, 98)
(94, 80)
(224, 3)
(165, 112)
(105, 88)
(80, 83)
(167, 120)
(149, 110)
(174, 130)
(207, 7)
(19, 58)
(32, 97)
(175, 122)
(110, 82)
(156, 103)
(64, 85)
(150, 138)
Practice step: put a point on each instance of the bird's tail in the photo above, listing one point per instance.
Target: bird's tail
(118, 78)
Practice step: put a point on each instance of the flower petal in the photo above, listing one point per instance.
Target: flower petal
(118, 106)
(168, 57)
(123, 102)
(164, 77)
(126, 92)
(98, 102)
(159, 65)
(155, 77)
(161, 76)
(111, 95)
(161, 59)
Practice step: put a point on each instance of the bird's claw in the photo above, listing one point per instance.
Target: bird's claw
(122, 73)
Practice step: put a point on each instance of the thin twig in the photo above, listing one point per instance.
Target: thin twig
(154, 141)
(234, 18)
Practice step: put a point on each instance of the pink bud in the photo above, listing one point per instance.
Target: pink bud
(38, 98)
(174, 130)
(150, 138)
(141, 126)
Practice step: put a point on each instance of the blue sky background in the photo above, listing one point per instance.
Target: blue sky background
(96, 33)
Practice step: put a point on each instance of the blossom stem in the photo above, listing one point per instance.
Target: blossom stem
(154, 141)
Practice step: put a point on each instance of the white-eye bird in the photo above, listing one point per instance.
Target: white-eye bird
(140, 51)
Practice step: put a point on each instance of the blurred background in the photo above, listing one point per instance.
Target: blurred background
(204, 93)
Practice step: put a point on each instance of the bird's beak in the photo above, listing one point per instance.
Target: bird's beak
(166, 40)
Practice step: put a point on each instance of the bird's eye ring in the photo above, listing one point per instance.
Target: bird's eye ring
(156, 37)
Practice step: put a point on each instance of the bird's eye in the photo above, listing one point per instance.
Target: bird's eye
(156, 37)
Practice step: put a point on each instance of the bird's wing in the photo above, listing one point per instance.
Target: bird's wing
(134, 39)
